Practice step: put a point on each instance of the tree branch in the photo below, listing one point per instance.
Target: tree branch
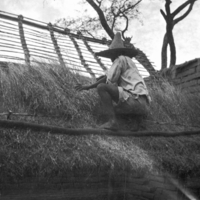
(167, 7)
(163, 14)
(102, 18)
(185, 14)
(131, 7)
(88, 32)
(114, 16)
(182, 7)
(99, 2)
(113, 23)
(126, 27)
(123, 6)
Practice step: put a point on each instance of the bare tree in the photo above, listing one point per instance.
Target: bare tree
(118, 13)
(171, 21)
(111, 15)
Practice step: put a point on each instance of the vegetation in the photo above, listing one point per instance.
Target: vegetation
(111, 15)
(47, 91)
(170, 20)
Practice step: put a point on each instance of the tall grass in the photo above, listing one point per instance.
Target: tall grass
(177, 108)
(47, 90)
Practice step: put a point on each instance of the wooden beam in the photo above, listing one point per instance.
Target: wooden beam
(80, 132)
(23, 40)
(45, 27)
(56, 46)
(83, 61)
(98, 60)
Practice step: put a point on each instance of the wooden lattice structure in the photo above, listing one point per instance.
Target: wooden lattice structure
(30, 41)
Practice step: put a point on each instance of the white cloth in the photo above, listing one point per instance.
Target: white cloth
(126, 76)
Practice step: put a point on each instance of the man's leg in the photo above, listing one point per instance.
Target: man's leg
(109, 93)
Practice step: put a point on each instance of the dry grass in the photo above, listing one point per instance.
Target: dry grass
(28, 154)
(45, 90)
(48, 91)
(179, 109)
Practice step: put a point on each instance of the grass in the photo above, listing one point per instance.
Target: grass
(173, 106)
(47, 91)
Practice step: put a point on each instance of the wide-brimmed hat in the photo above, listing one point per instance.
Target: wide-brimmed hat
(117, 48)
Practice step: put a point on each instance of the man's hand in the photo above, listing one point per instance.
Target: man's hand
(80, 87)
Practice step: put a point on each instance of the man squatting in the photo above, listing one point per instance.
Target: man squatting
(123, 89)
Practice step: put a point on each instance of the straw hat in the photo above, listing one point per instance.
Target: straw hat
(117, 48)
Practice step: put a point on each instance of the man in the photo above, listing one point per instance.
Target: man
(123, 89)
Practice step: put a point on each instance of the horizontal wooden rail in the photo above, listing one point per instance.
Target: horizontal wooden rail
(11, 46)
(9, 28)
(10, 51)
(10, 41)
(8, 23)
(44, 57)
(39, 39)
(88, 131)
(45, 27)
(11, 57)
(39, 43)
(7, 34)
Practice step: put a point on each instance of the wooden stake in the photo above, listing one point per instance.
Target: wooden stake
(55, 44)
(23, 40)
(83, 62)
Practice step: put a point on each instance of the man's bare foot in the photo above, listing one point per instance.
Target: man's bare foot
(112, 125)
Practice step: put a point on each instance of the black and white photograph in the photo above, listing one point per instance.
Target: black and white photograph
(100, 100)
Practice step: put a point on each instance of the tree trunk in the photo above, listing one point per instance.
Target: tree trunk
(170, 40)
(102, 18)
(164, 52)
(172, 49)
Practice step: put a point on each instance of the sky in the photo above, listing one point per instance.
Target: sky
(147, 35)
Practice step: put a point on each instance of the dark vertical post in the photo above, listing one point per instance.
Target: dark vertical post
(95, 57)
(55, 44)
(83, 61)
(23, 40)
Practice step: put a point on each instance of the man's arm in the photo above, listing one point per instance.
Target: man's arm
(80, 87)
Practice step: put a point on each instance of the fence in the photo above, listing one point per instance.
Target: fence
(29, 41)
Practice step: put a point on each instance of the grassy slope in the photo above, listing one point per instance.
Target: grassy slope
(48, 91)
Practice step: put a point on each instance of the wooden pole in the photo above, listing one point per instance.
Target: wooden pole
(23, 40)
(83, 61)
(55, 44)
(90, 131)
(95, 57)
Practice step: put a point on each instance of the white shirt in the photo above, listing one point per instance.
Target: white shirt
(125, 74)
